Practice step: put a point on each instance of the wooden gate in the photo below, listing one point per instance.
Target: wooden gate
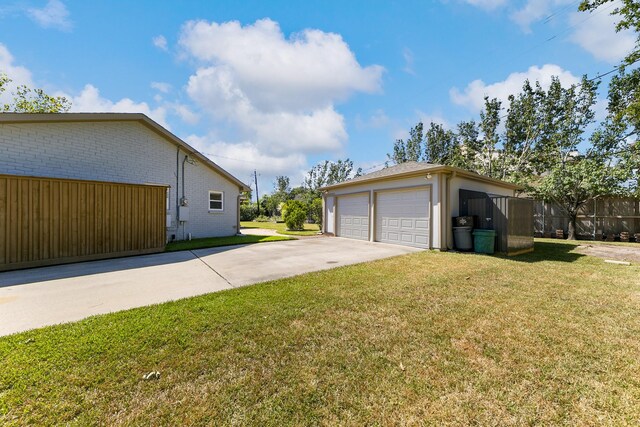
(46, 221)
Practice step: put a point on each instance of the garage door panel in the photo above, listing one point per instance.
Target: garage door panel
(353, 216)
(402, 217)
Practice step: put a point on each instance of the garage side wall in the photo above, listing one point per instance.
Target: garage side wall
(126, 152)
(388, 184)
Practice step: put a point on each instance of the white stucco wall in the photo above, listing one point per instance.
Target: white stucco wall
(119, 152)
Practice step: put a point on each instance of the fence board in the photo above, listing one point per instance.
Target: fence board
(612, 216)
(46, 221)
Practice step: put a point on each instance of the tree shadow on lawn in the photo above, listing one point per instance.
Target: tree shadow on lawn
(543, 251)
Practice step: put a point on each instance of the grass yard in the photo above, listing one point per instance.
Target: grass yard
(281, 228)
(550, 338)
(212, 242)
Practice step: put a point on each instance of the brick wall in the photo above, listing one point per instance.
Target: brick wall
(119, 152)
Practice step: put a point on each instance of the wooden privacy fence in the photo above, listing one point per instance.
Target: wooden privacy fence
(602, 217)
(47, 221)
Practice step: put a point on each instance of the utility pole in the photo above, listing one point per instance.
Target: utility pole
(255, 177)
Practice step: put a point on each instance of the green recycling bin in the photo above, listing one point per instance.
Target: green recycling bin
(484, 241)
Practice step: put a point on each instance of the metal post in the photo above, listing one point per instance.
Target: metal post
(255, 177)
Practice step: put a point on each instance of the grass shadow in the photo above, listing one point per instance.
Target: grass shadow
(560, 251)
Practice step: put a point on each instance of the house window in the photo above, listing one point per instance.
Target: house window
(168, 199)
(215, 200)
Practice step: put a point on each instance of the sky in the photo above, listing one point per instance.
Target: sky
(277, 87)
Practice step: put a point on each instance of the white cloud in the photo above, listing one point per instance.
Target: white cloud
(160, 42)
(377, 120)
(18, 74)
(407, 54)
(473, 95)
(185, 113)
(533, 11)
(310, 69)
(53, 15)
(161, 86)
(90, 101)
(487, 4)
(277, 93)
(598, 36)
(242, 158)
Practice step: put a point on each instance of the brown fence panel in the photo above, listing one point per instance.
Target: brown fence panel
(608, 215)
(46, 221)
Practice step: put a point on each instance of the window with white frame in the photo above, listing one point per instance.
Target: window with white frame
(216, 200)
(168, 199)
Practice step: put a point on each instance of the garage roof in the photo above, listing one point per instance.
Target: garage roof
(409, 169)
(16, 118)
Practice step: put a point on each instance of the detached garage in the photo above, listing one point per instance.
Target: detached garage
(410, 204)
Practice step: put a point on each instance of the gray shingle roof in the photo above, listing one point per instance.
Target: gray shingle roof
(415, 168)
(395, 170)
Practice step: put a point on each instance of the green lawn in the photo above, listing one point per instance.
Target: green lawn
(549, 338)
(211, 242)
(281, 228)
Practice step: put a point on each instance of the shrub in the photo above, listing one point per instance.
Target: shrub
(262, 218)
(294, 212)
(248, 212)
(315, 209)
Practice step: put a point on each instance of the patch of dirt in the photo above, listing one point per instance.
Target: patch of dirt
(619, 253)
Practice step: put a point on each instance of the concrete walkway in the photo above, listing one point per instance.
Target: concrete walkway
(50, 295)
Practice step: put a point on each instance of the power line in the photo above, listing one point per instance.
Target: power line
(231, 158)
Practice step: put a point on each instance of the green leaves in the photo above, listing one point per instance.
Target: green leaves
(27, 100)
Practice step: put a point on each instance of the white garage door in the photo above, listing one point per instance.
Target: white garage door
(353, 216)
(402, 217)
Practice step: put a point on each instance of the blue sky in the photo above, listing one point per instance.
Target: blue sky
(278, 86)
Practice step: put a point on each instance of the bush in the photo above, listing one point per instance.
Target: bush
(315, 210)
(262, 218)
(294, 213)
(248, 212)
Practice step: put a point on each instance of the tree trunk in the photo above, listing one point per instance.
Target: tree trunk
(571, 230)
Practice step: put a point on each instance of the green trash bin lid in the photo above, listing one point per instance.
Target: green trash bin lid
(480, 232)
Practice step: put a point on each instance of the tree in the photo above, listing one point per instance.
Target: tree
(624, 89)
(412, 149)
(489, 123)
(329, 173)
(294, 213)
(574, 183)
(282, 184)
(315, 211)
(27, 100)
(440, 145)
(468, 145)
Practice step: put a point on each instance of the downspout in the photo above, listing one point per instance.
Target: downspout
(177, 186)
(447, 220)
(238, 212)
(324, 210)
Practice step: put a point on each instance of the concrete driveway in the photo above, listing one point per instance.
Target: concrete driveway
(51, 295)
